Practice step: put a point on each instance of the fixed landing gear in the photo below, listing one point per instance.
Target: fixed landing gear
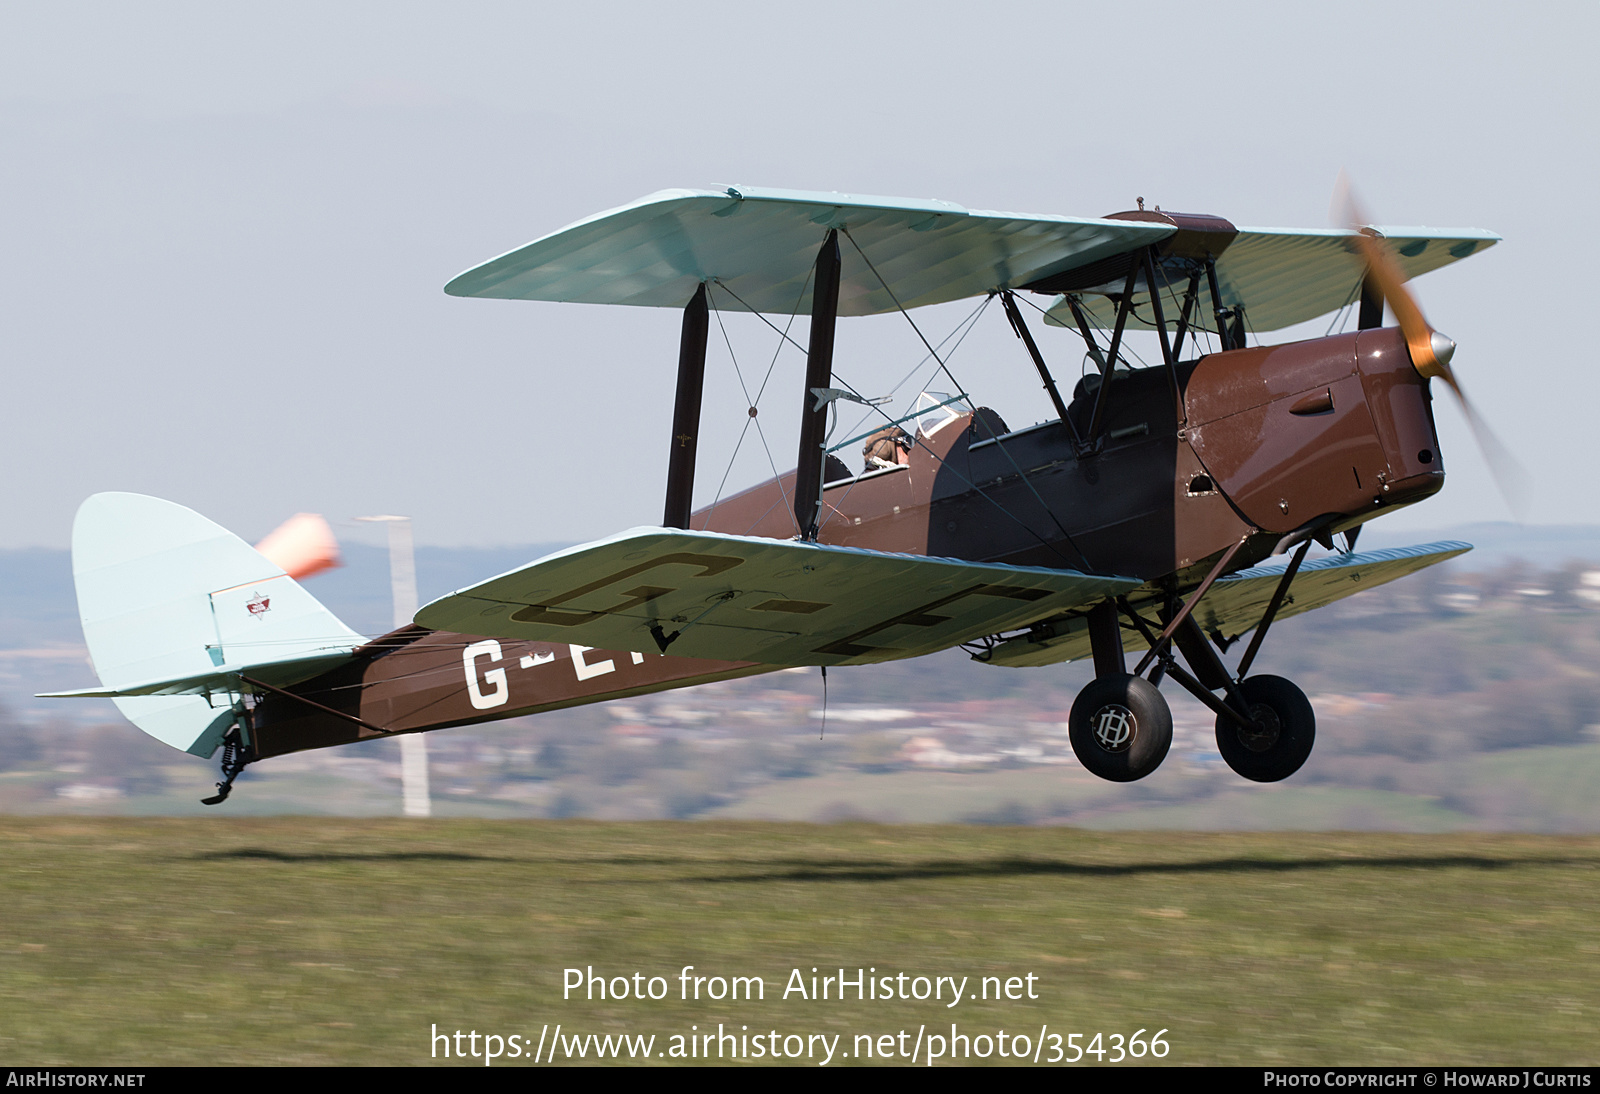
(1284, 729)
(1121, 727)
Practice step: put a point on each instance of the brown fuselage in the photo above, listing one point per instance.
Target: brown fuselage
(1263, 443)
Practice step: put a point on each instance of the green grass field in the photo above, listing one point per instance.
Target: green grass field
(320, 940)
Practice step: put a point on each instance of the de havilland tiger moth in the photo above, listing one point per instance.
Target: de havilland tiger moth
(1135, 519)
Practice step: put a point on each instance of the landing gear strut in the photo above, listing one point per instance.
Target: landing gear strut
(1121, 727)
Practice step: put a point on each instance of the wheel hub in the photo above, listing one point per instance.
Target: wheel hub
(1115, 727)
(1266, 731)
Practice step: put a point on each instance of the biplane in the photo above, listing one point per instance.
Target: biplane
(1141, 519)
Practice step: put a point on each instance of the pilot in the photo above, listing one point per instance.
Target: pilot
(888, 447)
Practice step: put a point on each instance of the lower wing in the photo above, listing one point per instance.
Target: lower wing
(776, 602)
(1236, 603)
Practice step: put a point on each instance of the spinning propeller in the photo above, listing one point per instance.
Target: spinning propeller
(1430, 350)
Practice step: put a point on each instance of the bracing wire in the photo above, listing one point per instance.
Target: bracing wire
(783, 334)
(767, 448)
(902, 308)
(942, 463)
(754, 403)
(944, 367)
(963, 328)
(1340, 317)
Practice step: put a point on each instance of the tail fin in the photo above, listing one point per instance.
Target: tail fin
(174, 606)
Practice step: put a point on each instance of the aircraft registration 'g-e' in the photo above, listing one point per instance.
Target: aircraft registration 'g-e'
(1135, 519)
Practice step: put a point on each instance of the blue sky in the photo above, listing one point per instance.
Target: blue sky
(224, 229)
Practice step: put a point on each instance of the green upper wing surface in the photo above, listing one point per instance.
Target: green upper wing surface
(1284, 276)
(1236, 603)
(762, 245)
(777, 602)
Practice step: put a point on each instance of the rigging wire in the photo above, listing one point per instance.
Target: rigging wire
(1083, 369)
(754, 404)
(1250, 327)
(783, 334)
(1006, 452)
(942, 366)
(782, 500)
(767, 448)
(975, 488)
(902, 308)
(1339, 316)
(1177, 312)
(969, 323)
(794, 313)
(717, 499)
(1001, 445)
(945, 465)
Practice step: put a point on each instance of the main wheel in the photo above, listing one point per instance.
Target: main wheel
(1121, 727)
(1286, 728)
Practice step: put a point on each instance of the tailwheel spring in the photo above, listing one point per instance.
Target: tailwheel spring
(236, 756)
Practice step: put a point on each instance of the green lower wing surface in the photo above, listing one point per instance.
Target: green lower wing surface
(777, 602)
(1236, 603)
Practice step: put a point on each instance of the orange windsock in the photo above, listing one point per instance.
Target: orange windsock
(301, 546)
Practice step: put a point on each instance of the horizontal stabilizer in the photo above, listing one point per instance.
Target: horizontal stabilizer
(776, 602)
(224, 679)
(1236, 603)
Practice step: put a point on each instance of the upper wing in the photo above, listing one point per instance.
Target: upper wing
(762, 245)
(1285, 276)
(777, 602)
(1236, 603)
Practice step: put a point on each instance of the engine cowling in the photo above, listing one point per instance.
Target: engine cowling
(1291, 433)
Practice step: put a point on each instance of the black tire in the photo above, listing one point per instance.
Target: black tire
(1288, 729)
(1121, 727)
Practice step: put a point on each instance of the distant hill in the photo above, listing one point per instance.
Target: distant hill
(1496, 543)
(41, 646)
(1443, 702)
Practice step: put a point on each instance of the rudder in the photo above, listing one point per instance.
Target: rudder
(165, 594)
